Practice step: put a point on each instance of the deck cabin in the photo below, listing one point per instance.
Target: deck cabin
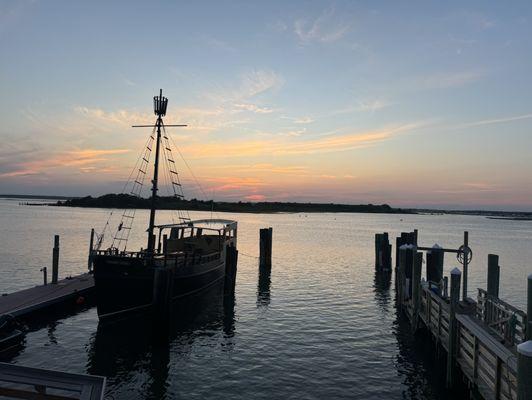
(202, 236)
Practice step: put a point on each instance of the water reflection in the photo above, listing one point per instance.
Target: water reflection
(124, 350)
(263, 287)
(229, 315)
(381, 286)
(52, 327)
(418, 361)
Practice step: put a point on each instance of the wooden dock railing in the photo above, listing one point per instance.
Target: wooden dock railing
(503, 319)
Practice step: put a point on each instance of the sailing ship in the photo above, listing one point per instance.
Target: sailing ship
(181, 258)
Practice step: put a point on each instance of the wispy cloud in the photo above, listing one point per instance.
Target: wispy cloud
(287, 145)
(70, 159)
(251, 83)
(304, 120)
(253, 108)
(255, 197)
(267, 168)
(326, 28)
(447, 80)
(362, 106)
(372, 105)
(121, 117)
(470, 187)
(495, 121)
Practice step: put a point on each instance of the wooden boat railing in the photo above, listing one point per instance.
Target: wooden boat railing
(180, 259)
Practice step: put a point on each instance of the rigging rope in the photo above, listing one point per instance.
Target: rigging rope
(195, 178)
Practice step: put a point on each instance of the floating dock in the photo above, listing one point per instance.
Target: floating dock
(488, 340)
(41, 297)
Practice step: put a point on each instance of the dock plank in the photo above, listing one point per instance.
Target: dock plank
(39, 297)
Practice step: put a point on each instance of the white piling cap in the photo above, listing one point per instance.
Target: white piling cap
(407, 246)
(530, 277)
(525, 348)
(436, 246)
(456, 271)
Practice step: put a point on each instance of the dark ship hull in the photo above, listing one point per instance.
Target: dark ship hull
(126, 284)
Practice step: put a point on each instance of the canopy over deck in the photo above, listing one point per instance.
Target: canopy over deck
(208, 224)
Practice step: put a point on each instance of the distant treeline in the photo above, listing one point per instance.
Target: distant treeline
(171, 203)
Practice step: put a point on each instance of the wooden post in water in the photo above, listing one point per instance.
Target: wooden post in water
(493, 275)
(524, 371)
(399, 276)
(44, 271)
(408, 269)
(404, 272)
(416, 288)
(529, 309)
(398, 244)
(378, 240)
(266, 247)
(163, 285)
(231, 262)
(383, 252)
(55, 260)
(466, 262)
(455, 298)
(435, 266)
(91, 245)
(165, 243)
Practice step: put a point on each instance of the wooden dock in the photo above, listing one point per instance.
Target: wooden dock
(41, 297)
(18, 382)
(486, 339)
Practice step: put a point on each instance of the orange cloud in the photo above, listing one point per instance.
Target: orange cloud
(288, 145)
(255, 197)
(73, 158)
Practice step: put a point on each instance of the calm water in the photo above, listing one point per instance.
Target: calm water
(321, 326)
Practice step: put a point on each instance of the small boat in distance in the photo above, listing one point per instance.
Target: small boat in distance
(189, 255)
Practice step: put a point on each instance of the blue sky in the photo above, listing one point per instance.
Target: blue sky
(412, 104)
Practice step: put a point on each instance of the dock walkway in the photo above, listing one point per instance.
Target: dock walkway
(487, 341)
(40, 297)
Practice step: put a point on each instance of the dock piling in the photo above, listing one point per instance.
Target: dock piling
(493, 275)
(383, 252)
(44, 271)
(162, 294)
(524, 371)
(416, 286)
(528, 330)
(466, 265)
(266, 247)
(55, 260)
(231, 262)
(399, 276)
(165, 243)
(434, 267)
(91, 246)
(455, 298)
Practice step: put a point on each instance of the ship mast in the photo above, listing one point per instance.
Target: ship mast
(159, 107)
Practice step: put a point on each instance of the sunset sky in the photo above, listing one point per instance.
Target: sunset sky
(425, 104)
